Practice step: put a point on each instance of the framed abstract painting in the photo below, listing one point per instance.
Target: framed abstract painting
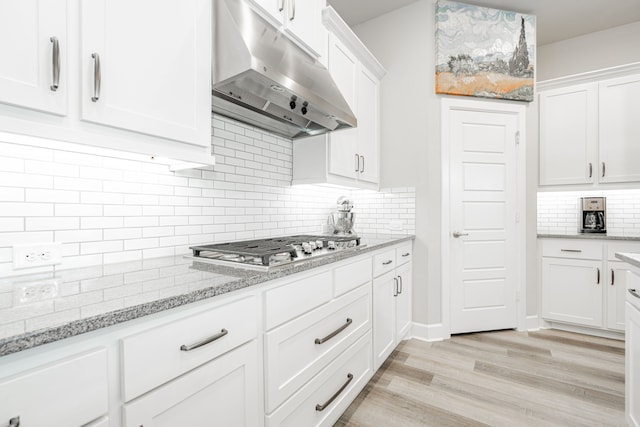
(484, 52)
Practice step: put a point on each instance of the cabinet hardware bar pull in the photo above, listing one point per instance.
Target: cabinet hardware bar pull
(604, 168)
(55, 58)
(634, 293)
(395, 287)
(406, 254)
(334, 333)
(97, 77)
(571, 250)
(387, 262)
(324, 406)
(357, 163)
(598, 282)
(293, 10)
(613, 277)
(362, 170)
(205, 341)
(590, 170)
(14, 422)
(401, 286)
(280, 5)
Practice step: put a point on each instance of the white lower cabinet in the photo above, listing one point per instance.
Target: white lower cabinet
(632, 351)
(70, 392)
(323, 399)
(222, 392)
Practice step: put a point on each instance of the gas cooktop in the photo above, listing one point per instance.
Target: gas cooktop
(265, 254)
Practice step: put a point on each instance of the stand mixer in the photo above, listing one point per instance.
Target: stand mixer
(342, 220)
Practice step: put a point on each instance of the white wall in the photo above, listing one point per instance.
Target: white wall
(595, 51)
(403, 42)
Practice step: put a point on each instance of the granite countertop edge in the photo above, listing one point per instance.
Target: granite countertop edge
(587, 236)
(36, 338)
(630, 258)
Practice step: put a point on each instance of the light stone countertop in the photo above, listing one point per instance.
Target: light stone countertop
(588, 236)
(630, 258)
(92, 298)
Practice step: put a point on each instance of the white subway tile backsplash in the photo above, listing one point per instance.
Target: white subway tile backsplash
(11, 194)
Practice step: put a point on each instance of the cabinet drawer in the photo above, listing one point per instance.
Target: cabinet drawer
(351, 276)
(156, 356)
(572, 248)
(404, 253)
(302, 409)
(383, 262)
(295, 298)
(614, 247)
(71, 392)
(298, 350)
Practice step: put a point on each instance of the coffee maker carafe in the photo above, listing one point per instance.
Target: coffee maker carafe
(593, 213)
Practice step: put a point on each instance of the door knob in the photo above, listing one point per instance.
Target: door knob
(457, 234)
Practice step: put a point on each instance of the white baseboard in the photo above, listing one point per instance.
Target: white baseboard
(604, 333)
(432, 332)
(532, 323)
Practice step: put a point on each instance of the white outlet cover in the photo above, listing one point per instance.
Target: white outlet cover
(36, 255)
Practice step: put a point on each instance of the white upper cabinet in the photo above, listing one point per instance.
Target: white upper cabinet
(368, 126)
(146, 67)
(589, 129)
(33, 52)
(301, 19)
(619, 129)
(568, 135)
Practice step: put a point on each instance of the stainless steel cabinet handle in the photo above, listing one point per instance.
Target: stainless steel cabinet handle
(280, 5)
(292, 16)
(362, 170)
(55, 58)
(406, 254)
(631, 291)
(590, 170)
(571, 250)
(357, 163)
(387, 262)
(97, 77)
(401, 286)
(324, 406)
(14, 422)
(598, 280)
(613, 277)
(395, 287)
(334, 333)
(205, 341)
(604, 168)
(458, 234)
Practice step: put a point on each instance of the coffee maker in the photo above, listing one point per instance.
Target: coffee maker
(593, 215)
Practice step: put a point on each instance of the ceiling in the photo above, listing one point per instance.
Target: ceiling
(556, 19)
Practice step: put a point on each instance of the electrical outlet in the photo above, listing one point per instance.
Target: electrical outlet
(36, 255)
(37, 291)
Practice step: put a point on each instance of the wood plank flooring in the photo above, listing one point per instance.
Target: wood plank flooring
(501, 378)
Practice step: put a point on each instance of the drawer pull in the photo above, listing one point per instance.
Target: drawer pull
(14, 422)
(577, 251)
(206, 341)
(324, 406)
(334, 333)
(395, 287)
(387, 262)
(406, 254)
(634, 293)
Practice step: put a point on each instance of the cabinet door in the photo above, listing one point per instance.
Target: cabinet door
(572, 291)
(384, 317)
(616, 282)
(619, 130)
(368, 134)
(223, 392)
(303, 20)
(568, 135)
(27, 54)
(273, 9)
(403, 301)
(343, 67)
(154, 78)
(632, 366)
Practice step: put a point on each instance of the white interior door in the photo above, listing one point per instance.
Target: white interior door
(483, 200)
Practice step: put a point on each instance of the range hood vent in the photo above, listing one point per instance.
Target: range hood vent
(262, 78)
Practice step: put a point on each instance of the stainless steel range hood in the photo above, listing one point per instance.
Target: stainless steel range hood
(262, 78)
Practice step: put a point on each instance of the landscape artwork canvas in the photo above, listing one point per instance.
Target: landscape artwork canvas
(484, 52)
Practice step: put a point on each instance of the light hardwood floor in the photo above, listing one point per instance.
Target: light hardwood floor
(502, 378)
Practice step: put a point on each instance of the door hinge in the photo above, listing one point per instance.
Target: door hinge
(517, 137)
